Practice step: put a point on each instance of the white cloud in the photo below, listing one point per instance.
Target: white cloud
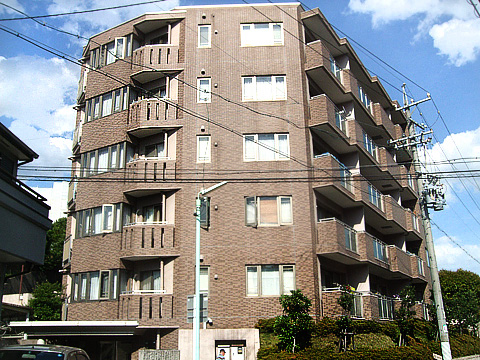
(455, 147)
(13, 3)
(88, 24)
(451, 257)
(450, 23)
(38, 95)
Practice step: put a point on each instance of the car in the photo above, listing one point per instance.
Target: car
(42, 352)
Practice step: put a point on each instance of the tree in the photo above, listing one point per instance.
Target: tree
(344, 322)
(461, 298)
(294, 327)
(405, 313)
(54, 246)
(46, 302)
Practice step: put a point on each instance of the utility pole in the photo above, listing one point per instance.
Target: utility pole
(196, 308)
(437, 291)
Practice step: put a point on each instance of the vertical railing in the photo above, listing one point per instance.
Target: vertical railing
(379, 250)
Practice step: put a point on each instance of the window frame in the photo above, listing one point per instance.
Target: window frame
(255, 200)
(278, 156)
(281, 280)
(209, 40)
(208, 93)
(245, 40)
(208, 156)
(273, 81)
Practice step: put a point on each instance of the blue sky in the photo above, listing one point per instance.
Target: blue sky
(435, 43)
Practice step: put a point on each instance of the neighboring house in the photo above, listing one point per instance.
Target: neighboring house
(23, 214)
(316, 198)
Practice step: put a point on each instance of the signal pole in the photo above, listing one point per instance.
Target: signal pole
(427, 200)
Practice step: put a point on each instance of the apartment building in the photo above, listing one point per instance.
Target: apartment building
(270, 99)
(24, 217)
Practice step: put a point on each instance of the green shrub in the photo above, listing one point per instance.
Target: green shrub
(325, 327)
(327, 343)
(373, 342)
(415, 352)
(464, 345)
(265, 325)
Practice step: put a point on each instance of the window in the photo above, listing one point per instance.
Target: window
(155, 150)
(369, 145)
(113, 101)
(150, 281)
(379, 250)
(106, 218)
(261, 34)
(203, 94)
(427, 255)
(109, 158)
(152, 214)
(263, 88)
(375, 196)
(350, 239)
(341, 120)
(270, 280)
(268, 210)
(204, 36)
(266, 147)
(110, 48)
(95, 285)
(336, 69)
(203, 148)
(364, 98)
(421, 270)
(204, 279)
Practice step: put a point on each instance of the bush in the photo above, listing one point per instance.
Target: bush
(265, 325)
(373, 342)
(414, 352)
(325, 327)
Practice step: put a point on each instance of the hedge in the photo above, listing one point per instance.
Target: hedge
(414, 352)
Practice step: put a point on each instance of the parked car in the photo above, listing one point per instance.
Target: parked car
(42, 352)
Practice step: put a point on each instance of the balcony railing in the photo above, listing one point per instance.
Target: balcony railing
(331, 170)
(72, 191)
(156, 57)
(151, 170)
(385, 308)
(148, 309)
(148, 238)
(77, 135)
(395, 212)
(151, 113)
(67, 251)
(334, 236)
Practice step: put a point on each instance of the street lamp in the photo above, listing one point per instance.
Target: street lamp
(196, 306)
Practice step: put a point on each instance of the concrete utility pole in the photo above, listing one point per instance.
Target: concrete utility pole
(196, 306)
(437, 291)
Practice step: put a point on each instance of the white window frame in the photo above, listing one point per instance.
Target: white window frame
(111, 221)
(370, 145)
(207, 268)
(279, 156)
(255, 202)
(207, 93)
(281, 288)
(209, 40)
(109, 276)
(207, 157)
(375, 196)
(246, 40)
(273, 96)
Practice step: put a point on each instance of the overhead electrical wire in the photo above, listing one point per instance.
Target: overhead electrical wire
(80, 11)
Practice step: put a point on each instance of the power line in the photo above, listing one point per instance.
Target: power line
(79, 12)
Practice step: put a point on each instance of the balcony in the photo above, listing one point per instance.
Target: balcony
(418, 267)
(331, 308)
(143, 241)
(414, 226)
(400, 261)
(82, 85)
(150, 116)
(77, 136)
(72, 192)
(151, 170)
(319, 68)
(408, 182)
(395, 213)
(333, 180)
(338, 241)
(67, 251)
(149, 59)
(153, 308)
(382, 119)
